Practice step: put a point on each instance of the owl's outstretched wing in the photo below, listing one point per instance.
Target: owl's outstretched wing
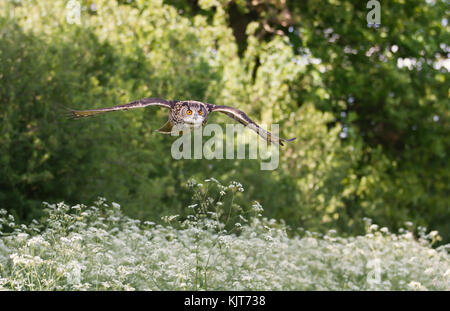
(136, 104)
(241, 117)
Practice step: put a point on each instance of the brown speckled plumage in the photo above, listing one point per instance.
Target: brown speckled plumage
(186, 112)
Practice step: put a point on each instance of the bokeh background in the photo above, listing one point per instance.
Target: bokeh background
(369, 107)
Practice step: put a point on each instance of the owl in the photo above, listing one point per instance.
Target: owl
(186, 114)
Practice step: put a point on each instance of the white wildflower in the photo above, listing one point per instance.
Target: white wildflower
(106, 285)
(433, 234)
(416, 286)
(73, 274)
(257, 207)
(447, 273)
(373, 227)
(22, 236)
(115, 205)
(428, 271)
(168, 219)
(37, 241)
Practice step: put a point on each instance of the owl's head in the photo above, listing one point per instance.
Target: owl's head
(193, 113)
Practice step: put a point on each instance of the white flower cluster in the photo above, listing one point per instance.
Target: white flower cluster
(98, 248)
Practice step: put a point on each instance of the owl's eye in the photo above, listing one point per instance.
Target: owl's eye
(200, 112)
(189, 112)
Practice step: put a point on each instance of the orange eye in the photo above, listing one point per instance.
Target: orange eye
(200, 112)
(189, 112)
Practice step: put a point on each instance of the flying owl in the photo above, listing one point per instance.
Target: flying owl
(186, 113)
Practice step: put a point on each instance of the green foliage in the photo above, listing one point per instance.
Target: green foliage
(372, 138)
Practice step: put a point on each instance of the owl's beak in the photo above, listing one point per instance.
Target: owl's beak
(196, 119)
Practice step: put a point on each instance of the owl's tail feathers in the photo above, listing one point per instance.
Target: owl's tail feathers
(166, 128)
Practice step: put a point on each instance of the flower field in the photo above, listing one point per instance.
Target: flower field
(218, 246)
